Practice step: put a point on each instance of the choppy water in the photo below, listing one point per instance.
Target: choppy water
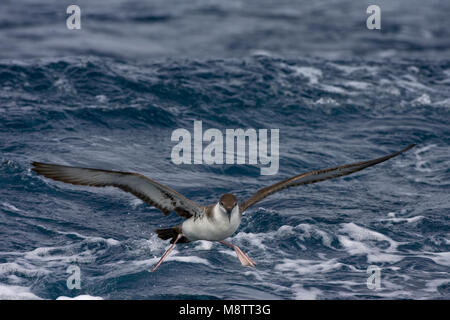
(102, 104)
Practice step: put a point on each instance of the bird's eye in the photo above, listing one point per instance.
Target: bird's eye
(221, 203)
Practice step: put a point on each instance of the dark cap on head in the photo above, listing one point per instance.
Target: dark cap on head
(228, 201)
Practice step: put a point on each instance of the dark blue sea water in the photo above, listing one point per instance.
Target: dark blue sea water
(111, 94)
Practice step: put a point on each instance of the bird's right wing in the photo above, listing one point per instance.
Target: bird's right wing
(316, 176)
(146, 189)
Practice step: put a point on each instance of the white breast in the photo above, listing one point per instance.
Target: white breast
(216, 228)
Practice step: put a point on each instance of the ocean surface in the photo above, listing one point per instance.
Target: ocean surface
(111, 94)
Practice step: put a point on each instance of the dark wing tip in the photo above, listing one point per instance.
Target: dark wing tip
(40, 167)
(37, 166)
(40, 164)
(409, 147)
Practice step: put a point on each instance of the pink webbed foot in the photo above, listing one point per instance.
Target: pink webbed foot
(167, 252)
(243, 258)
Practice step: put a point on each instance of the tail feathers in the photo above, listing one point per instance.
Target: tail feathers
(166, 233)
(171, 233)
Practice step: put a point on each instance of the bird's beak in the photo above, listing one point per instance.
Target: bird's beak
(229, 214)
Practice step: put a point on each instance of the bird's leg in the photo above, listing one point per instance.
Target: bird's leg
(243, 258)
(167, 252)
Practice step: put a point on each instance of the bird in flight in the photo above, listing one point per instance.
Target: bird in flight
(215, 222)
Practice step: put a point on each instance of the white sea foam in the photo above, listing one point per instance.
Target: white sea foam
(65, 85)
(443, 103)
(442, 258)
(411, 83)
(13, 279)
(432, 285)
(301, 293)
(334, 89)
(254, 239)
(10, 207)
(312, 74)
(386, 294)
(307, 267)
(360, 233)
(189, 259)
(136, 202)
(350, 69)
(228, 252)
(373, 254)
(149, 263)
(359, 85)
(59, 255)
(108, 241)
(303, 231)
(22, 268)
(260, 52)
(326, 100)
(203, 245)
(76, 252)
(101, 98)
(310, 231)
(424, 99)
(255, 274)
(407, 220)
(80, 297)
(12, 292)
(358, 242)
(43, 261)
(421, 163)
(150, 245)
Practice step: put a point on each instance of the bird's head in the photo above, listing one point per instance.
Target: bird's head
(228, 203)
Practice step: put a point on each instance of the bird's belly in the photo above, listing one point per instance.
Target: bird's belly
(207, 229)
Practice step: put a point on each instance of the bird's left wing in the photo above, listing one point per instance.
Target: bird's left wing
(150, 191)
(316, 176)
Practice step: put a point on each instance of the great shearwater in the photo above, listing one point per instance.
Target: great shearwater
(215, 222)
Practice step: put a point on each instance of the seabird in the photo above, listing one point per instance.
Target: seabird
(215, 222)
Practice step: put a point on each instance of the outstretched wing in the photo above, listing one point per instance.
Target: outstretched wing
(315, 176)
(146, 189)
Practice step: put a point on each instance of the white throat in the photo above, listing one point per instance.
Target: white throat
(221, 213)
(219, 227)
